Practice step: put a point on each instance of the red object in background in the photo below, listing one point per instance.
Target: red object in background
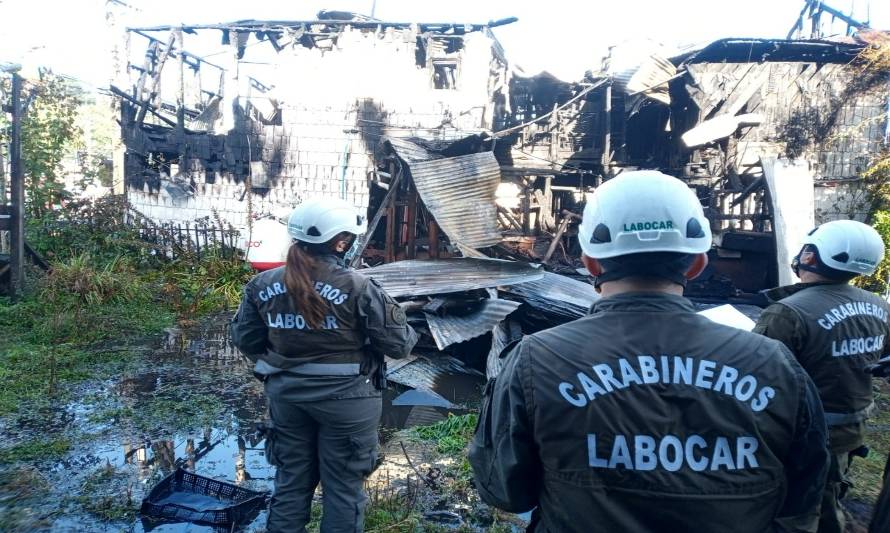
(261, 265)
(266, 244)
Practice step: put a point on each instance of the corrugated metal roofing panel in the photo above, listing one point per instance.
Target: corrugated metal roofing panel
(460, 193)
(451, 329)
(418, 277)
(556, 294)
(505, 333)
(425, 372)
(409, 151)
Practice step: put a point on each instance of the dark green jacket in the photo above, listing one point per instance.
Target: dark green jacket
(834, 331)
(646, 417)
(362, 319)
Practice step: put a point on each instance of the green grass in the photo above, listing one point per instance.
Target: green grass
(34, 450)
(451, 435)
(867, 473)
(107, 494)
(21, 492)
(61, 332)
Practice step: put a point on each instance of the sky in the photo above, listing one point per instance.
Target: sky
(564, 37)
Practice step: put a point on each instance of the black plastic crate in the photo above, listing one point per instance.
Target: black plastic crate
(184, 496)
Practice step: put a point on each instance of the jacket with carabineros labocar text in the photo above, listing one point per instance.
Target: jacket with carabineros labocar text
(361, 319)
(835, 331)
(647, 417)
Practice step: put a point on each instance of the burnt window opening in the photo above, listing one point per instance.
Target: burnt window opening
(453, 45)
(164, 163)
(445, 75)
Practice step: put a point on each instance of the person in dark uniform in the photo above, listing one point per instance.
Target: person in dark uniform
(835, 330)
(645, 416)
(314, 328)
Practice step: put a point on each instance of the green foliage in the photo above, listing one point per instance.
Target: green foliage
(876, 180)
(178, 409)
(108, 494)
(79, 282)
(49, 132)
(198, 286)
(392, 511)
(105, 283)
(97, 228)
(51, 334)
(451, 435)
(35, 450)
(94, 147)
(867, 473)
(21, 492)
(879, 282)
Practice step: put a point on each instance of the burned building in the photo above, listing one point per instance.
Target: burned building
(453, 152)
(737, 119)
(290, 109)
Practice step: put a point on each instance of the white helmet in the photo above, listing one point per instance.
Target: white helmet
(643, 211)
(848, 246)
(319, 220)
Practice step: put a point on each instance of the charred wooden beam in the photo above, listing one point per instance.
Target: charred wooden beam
(266, 25)
(117, 92)
(156, 79)
(372, 225)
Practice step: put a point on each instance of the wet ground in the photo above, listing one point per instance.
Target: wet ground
(189, 401)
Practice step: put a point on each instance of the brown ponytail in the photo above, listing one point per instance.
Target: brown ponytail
(299, 273)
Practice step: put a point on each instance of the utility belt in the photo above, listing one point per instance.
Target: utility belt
(846, 419)
(372, 364)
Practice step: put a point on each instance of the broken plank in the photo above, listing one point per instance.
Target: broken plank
(156, 79)
(384, 206)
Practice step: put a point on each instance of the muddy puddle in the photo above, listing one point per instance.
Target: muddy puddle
(191, 401)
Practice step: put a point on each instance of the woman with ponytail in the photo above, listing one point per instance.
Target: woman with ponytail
(311, 327)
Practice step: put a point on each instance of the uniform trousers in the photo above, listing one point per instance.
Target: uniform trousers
(831, 517)
(332, 441)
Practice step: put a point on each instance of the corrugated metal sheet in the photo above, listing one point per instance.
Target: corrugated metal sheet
(556, 294)
(422, 277)
(450, 329)
(422, 397)
(505, 333)
(425, 372)
(409, 151)
(460, 194)
(651, 78)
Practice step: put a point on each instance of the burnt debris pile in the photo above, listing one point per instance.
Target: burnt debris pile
(468, 309)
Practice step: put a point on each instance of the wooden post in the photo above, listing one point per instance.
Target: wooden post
(372, 225)
(607, 130)
(390, 245)
(556, 238)
(17, 228)
(154, 92)
(433, 234)
(150, 54)
(180, 104)
(525, 204)
(411, 210)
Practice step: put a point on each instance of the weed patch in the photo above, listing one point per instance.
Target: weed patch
(105, 284)
(35, 450)
(867, 472)
(108, 494)
(451, 435)
(21, 491)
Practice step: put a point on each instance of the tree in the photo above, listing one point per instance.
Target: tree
(49, 131)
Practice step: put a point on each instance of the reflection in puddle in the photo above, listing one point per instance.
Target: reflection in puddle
(154, 434)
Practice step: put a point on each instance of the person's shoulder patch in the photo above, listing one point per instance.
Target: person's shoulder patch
(395, 316)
